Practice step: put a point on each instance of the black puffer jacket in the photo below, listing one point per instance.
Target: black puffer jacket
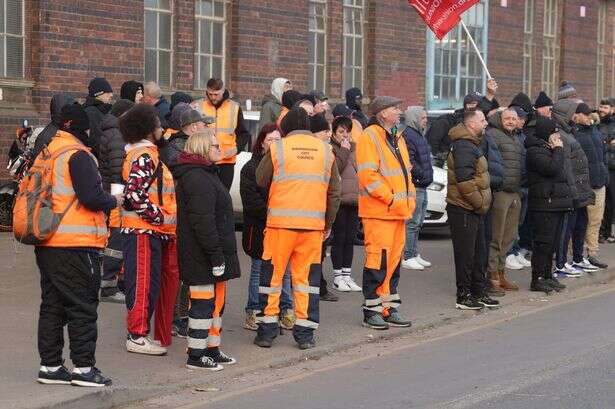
(254, 200)
(437, 135)
(494, 161)
(205, 223)
(420, 156)
(96, 111)
(171, 149)
(512, 153)
(112, 153)
(549, 190)
(607, 127)
(590, 140)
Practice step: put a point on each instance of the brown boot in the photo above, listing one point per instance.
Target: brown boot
(494, 277)
(507, 285)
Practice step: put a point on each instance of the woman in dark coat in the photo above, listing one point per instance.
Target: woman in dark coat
(206, 248)
(549, 198)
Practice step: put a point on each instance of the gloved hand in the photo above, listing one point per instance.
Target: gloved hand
(218, 270)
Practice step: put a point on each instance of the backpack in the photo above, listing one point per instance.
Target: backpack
(34, 221)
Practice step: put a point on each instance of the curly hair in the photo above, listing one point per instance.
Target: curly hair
(138, 123)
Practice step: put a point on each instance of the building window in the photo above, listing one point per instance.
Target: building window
(550, 52)
(11, 38)
(318, 45)
(601, 53)
(528, 46)
(354, 19)
(453, 68)
(158, 41)
(210, 46)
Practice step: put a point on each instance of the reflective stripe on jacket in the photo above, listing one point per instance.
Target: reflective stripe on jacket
(225, 123)
(283, 113)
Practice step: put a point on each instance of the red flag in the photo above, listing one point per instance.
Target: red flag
(441, 15)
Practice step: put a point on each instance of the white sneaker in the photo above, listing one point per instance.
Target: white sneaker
(422, 261)
(572, 271)
(351, 284)
(412, 264)
(144, 345)
(340, 284)
(512, 263)
(523, 261)
(587, 266)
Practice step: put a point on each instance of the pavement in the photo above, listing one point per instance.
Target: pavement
(428, 299)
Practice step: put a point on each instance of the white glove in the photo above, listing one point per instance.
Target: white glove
(218, 271)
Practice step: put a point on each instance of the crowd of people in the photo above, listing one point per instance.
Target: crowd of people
(153, 225)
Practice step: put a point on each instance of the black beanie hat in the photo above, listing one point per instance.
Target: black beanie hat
(121, 106)
(543, 100)
(544, 128)
(129, 90)
(291, 97)
(523, 101)
(296, 120)
(178, 97)
(99, 86)
(319, 123)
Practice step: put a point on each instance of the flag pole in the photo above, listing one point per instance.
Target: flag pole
(480, 57)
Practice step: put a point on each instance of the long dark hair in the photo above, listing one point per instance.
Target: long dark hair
(257, 148)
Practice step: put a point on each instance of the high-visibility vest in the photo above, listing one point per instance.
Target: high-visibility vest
(225, 117)
(80, 227)
(283, 113)
(301, 172)
(385, 190)
(357, 130)
(130, 219)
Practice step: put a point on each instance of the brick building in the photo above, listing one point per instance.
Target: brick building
(381, 46)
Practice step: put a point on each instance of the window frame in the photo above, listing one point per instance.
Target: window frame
(313, 63)
(528, 47)
(549, 80)
(345, 83)
(157, 49)
(197, 44)
(3, 37)
(430, 77)
(601, 51)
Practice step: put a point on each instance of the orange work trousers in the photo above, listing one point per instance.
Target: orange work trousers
(205, 317)
(384, 244)
(302, 249)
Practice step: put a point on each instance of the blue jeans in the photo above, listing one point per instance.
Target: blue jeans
(286, 301)
(413, 225)
(575, 228)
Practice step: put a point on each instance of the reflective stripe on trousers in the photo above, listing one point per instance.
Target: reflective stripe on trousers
(205, 317)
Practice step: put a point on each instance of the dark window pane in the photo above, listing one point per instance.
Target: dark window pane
(320, 78)
(14, 17)
(150, 65)
(14, 57)
(216, 68)
(151, 4)
(358, 52)
(164, 4)
(165, 31)
(207, 8)
(312, 48)
(2, 74)
(164, 69)
(151, 29)
(348, 50)
(321, 48)
(218, 38)
(204, 71)
(219, 9)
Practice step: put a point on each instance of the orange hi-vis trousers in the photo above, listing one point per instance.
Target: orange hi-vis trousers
(205, 317)
(384, 244)
(302, 249)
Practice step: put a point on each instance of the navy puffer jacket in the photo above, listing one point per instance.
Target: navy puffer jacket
(420, 157)
(494, 161)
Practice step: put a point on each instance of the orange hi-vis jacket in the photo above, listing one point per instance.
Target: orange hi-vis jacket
(225, 117)
(385, 188)
(130, 219)
(301, 172)
(80, 227)
(283, 113)
(356, 131)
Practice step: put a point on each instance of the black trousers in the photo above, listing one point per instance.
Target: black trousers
(469, 250)
(547, 229)
(70, 280)
(226, 172)
(609, 208)
(344, 235)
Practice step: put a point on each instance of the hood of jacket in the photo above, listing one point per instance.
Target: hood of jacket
(495, 121)
(58, 101)
(351, 98)
(461, 132)
(188, 161)
(109, 121)
(277, 88)
(563, 110)
(413, 117)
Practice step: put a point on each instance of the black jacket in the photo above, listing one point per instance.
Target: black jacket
(58, 101)
(437, 135)
(420, 156)
(112, 153)
(164, 109)
(351, 102)
(171, 149)
(205, 225)
(549, 189)
(607, 127)
(254, 200)
(96, 111)
(512, 153)
(590, 140)
(494, 162)
(578, 169)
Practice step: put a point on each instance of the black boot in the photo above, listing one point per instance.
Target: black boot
(538, 284)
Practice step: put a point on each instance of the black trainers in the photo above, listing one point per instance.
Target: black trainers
(540, 285)
(555, 284)
(597, 263)
(203, 362)
(488, 302)
(93, 378)
(180, 328)
(263, 342)
(468, 303)
(306, 344)
(60, 376)
(219, 357)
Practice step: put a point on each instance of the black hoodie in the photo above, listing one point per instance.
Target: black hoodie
(351, 102)
(96, 110)
(58, 101)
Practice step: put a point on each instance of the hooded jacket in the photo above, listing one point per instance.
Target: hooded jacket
(254, 202)
(205, 223)
(420, 155)
(590, 140)
(468, 175)
(351, 102)
(272, 103)
(512, 153)
(58, 101)
(112, 152)
(548, 186)
(607, 127)
(96, 110)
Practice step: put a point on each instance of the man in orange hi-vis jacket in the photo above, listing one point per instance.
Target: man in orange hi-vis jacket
(386, 201)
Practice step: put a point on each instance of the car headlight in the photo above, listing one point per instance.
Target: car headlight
(436, 187)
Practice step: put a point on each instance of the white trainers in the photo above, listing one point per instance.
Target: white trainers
(412, 264)
(422, 261)
(340, 284)
(145, 346)
(512, 263)
(523, 261)
(351, 284)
